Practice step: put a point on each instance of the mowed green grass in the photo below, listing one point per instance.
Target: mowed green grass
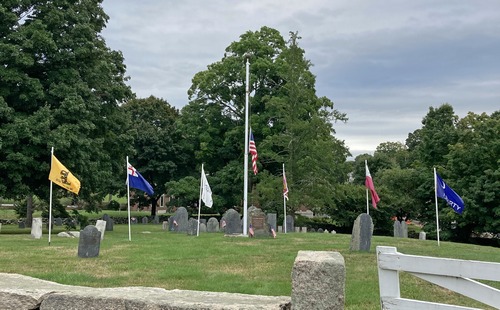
(212, 262)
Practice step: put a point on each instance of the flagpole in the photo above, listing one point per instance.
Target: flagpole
(436, 200)
(245, 165)
(199, 201)
(367, 200)
(128, 204)
(284, 203)
(50, 199)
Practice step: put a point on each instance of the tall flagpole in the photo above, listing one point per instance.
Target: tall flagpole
(199, 201)
(245, 165)
(436, 200)
(128, 204)
(367, 202)
(50, 199)
(284, 202)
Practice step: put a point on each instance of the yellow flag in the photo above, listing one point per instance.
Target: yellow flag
(63, 177)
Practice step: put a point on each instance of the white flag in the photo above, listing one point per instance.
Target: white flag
(206, 192)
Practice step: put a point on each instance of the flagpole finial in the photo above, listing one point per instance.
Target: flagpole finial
(247, 55)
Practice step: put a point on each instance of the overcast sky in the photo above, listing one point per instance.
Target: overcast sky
(384, 63)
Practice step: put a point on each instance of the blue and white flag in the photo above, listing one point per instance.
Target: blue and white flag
(135, 180)
(448, 194)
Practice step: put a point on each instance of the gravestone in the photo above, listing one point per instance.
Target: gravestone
(179, 221)
(333, 232)
(109, 222)
(58, 221)
(133, 220)
(156, 219)
(0, 227)
(233, 222)
(257, 218)
(297, 229)
(145, 220)
(280, 228)
(422, 235)
(326, 231)
(164, 225)
(22, 225)
(203, 227)
(36, 228)
(192, 227)
(400, 229)
(304, 229)
(312, 230)
(362, 232)
(289, 224)
(101, 227)
(89, 243)
(320, 230)
(203, 221)
(212, 225)
(271, 220)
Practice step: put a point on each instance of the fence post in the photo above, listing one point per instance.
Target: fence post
(388, 280)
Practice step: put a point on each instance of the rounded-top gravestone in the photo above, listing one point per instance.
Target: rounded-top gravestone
(89, 242)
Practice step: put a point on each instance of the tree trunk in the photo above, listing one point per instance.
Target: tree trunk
(29, 210)
(154, 200)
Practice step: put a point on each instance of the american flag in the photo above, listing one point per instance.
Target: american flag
(273, 232)
(250, 231)
(285, 185)
(253, 150)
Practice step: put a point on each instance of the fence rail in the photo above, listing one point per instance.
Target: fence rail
(453, 274)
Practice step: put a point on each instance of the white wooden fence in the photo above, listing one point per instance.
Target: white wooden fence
(453, 274)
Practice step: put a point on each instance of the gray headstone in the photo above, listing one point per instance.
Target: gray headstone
(362, 232)
(333, 232)
(280, 228)
(192, 227)
(156, 219)
(212, 225)
(203, 221)
(179, 221)
(271, 220)
(164, 225)
(304, 229)
(109, 222)
(101, 227)
(36, 228)
(203, 227)
(326, 231)
(233, 222)
(0, 227)
(145, 220)
(297, 229)
(312, 230)
(58, 221)
(89, 243)
(22, 225)
(400, 229)
(320, 230)
(257, 218)
(289, 224)
(422, 235)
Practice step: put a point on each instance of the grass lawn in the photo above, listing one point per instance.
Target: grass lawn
(212, 262)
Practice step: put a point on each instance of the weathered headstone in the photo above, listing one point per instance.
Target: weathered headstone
(312, 230)
(192, 227)
(156, 219)
(400, 229)
(304, 229)
(109, 222)
(233, 222)
(362, 231)
(89, 243)
(289, 224)
(271, 220)
(212, 225)
(22, 225)
(318, 281)
(422, 235)
(101, 227)
(297, 229)
(326, 231)
(58, 221)
(257, 218)
(0, 227)
(203, 221)
(333, 232)
(320, 230)
(280, 228)
(36, 228)
(203, 227)
(133, 220)
(179, 221)
(164, 225)
(145, 220)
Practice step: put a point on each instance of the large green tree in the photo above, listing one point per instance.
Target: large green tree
(60, 86)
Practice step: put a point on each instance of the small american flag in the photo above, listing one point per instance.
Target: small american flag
(175, 223)
(250, 231)
(253, 150)
(273, 232)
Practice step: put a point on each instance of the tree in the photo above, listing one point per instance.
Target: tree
(60, 86)
(158, 155)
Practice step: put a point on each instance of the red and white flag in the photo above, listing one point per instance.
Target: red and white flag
(253, 150)
(369, 185)
(285, 185)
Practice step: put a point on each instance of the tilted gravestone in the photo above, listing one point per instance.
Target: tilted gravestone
(212, 225)
(109, 222)
(233, 222)
(89, 243)
(192, 227)
(362, 232)
(400, 229)
(101, 227)
(257, 218)
(289, 224)
(36, 228)
(179, 220)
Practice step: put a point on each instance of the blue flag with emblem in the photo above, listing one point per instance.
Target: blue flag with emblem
(136, 181)
(448, 194)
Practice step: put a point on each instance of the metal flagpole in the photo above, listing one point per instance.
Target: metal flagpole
(436, 200)
(199, 201)
(284, 204)
(128, 204)
(50, 199)
(245, 168)
(367, 202)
